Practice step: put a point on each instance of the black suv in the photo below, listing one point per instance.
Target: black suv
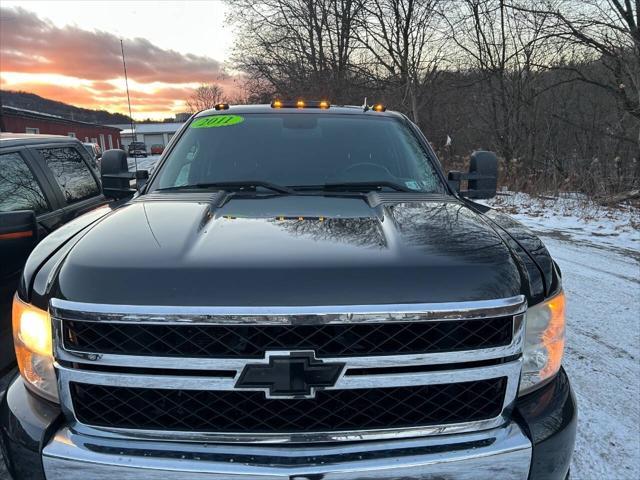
(297, 292)
(45, 181)
(137, 149)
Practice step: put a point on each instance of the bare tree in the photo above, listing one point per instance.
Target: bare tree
(605, 32)
(507, 50)
(404, 39)
(551, 85)
(204, 97)
(297, 46)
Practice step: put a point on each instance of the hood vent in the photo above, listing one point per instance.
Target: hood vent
(215, 199)
(376, 199)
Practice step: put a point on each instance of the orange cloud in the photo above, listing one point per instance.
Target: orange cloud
(30, 44)
(163, 100)
(160, 80)
(103, 86)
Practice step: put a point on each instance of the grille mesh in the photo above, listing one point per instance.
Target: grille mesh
(251, 341)
(251, 412)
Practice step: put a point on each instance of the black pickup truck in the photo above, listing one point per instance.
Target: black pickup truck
(136, 149)
(297, 292)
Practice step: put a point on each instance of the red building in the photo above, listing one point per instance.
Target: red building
(18, 120)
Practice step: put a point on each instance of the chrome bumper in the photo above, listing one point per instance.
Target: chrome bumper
(499, 453)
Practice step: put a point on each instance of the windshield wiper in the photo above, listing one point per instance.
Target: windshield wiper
(240, 185)
(358, 186)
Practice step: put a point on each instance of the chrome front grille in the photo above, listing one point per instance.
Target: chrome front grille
(437, 384)
(251, 412)
(254, 341)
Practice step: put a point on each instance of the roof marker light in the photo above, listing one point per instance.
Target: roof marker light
(321, 104)
(378, 107)
(222, 106)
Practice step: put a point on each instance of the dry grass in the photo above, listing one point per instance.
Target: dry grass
(588, 186)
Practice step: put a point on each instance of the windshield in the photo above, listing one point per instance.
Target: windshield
(299, 151)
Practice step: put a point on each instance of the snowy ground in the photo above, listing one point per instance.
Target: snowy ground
(598, 251)
(575, 218)
(144, 163)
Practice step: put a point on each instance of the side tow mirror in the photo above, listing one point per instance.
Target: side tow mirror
(18, 236)
(482, 177)
(115, 175)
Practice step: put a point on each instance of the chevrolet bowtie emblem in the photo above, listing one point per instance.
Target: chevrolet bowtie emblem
(293, 375)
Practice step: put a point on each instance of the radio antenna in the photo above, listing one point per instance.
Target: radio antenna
(126, 82)
(365, 107)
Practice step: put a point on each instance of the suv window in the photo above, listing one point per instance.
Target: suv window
(300, 150)
(71, 173)
(19, 189)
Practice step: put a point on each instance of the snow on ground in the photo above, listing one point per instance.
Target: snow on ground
(598, 251)
(573, 216)
(144, 163)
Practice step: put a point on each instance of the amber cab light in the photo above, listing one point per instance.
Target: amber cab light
(301, 104)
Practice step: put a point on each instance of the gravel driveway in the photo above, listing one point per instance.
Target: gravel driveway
(602, 356)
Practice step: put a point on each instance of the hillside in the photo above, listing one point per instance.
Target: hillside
(31, 101)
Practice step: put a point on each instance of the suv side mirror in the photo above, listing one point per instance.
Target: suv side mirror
(482, 176)
(18, 236)
(115, 175)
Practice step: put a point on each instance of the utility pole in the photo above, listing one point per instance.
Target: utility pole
(126, 82)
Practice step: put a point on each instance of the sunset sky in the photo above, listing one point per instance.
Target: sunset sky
(70, 51)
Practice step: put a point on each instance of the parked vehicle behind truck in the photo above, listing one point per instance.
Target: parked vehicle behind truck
(45, 181)
(297, 291)
(157, 149)
(137, 149)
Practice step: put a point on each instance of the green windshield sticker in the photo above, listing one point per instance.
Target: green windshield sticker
(217, 121)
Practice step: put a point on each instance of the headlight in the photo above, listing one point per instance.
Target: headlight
(543, 342)
(34, 351)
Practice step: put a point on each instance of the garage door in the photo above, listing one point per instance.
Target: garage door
(153, 140)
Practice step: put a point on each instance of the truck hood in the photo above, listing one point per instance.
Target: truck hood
(288, 250)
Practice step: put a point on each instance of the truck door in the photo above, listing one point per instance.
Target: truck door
(22, 187)
(76, 184)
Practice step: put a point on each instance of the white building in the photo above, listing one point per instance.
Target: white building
(149, 133)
